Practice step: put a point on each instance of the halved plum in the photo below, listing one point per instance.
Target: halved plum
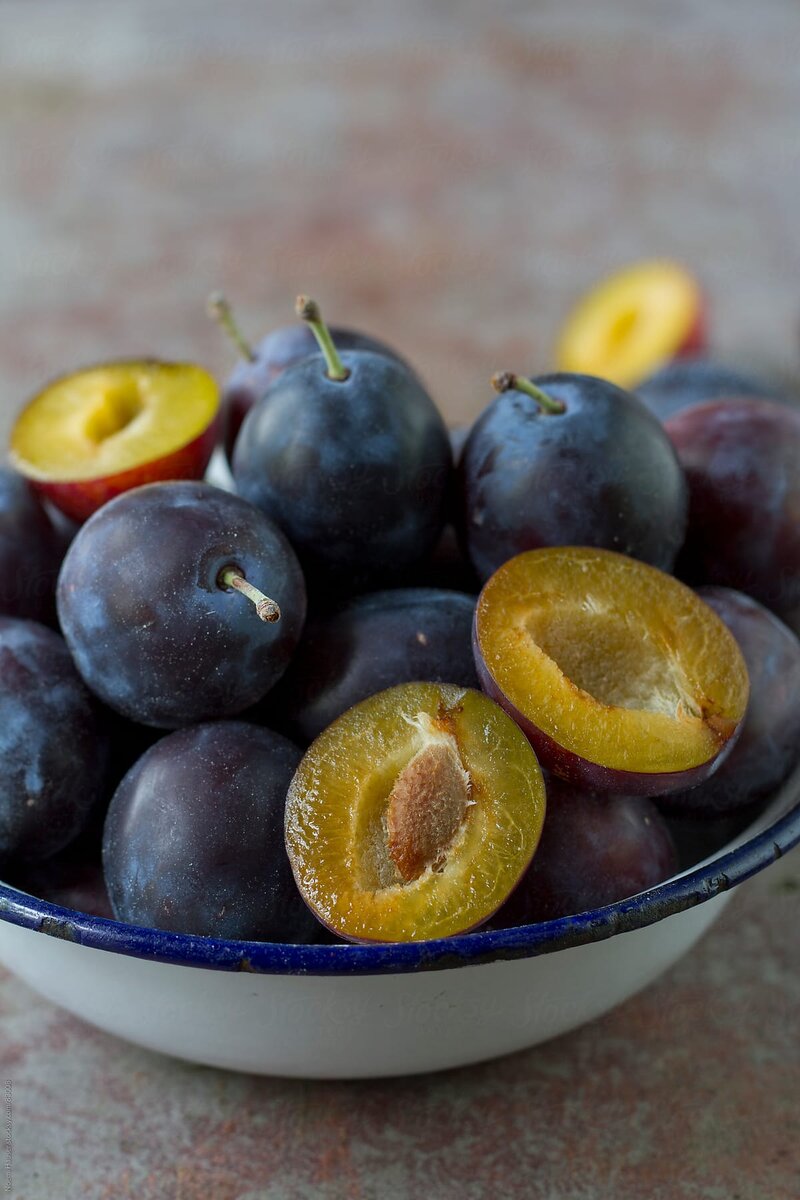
(622, 678)
(414, 814)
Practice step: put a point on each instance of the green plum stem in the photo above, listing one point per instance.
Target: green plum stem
(308, 310)
(232, 577)
(220, 311)
(505, 381)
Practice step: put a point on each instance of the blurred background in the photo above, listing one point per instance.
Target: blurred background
(447, 175)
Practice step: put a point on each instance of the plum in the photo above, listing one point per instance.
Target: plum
(414, 814)
(350, 457)
(373, 642)
(260, 365)
(53, 745)
(31, 550)
(569, 460)
(193, 840)
(148, 599)
(623, 679)
(742, 464)
(595, 849)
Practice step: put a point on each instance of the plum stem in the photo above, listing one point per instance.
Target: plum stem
(219, 310)
(505, 381)
(308, 310)
(232, 577)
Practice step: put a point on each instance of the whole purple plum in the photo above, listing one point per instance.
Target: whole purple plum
(53, 744)
(31, 550)
(261, 363)
(148, 599)
(742, 463)
(591, 467)
(194, 841)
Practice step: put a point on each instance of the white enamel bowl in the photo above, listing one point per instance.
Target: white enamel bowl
(346, 1011)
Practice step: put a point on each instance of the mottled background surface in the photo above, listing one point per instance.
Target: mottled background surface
(449, 175)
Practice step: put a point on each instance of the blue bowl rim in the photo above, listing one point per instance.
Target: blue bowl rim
(682, 892)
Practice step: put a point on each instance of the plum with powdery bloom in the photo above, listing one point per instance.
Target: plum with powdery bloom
(349, 455)
(742, 463)
(193, 840)
(596, 470)
(53, 747)
(31, 551)
(152, 628)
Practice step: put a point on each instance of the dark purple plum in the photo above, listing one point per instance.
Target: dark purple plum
(53, 746)
(569, 460)
(371, 643)
(349, 455)
(685, 382)
(769, 745)
(260, 365)
(147, 603)
(594, 849)
(73, 881)
(127, 742)
(31, 551)
(742, 463)
(194, 837)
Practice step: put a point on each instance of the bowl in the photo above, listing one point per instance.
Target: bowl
(357, 1011)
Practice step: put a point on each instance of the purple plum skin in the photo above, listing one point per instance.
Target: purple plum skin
(373, 642)
(594, 850)
(194, 841)
(768, 748)
(280, 349)
(686, 382)
(31, 551)
(742, 463)
(151, 631)
(355, 472)
(602, 473)
(53, 745)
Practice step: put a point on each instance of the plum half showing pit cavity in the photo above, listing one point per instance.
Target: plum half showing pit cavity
(414, 814)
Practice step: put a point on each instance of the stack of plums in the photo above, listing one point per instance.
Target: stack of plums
(369, 693)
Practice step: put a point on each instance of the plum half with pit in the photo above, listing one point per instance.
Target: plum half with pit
(769, 746)
(742, 464)
(373, 642)
(261, 363)
(414, 814)
(159, 602)
(568, 460)
(53, 744)
(349, 455)
(595, 849)
(193, 839)
(624, 680)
